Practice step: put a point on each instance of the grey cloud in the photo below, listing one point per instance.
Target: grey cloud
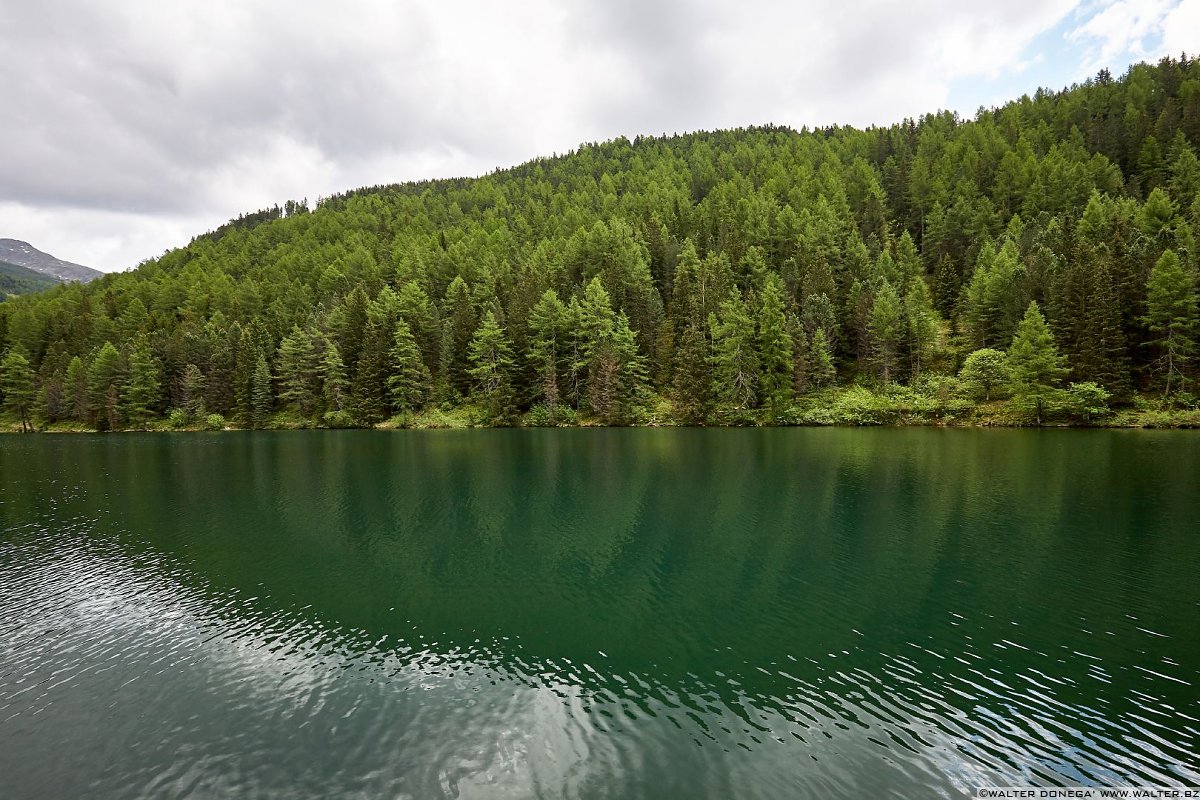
(146, 110)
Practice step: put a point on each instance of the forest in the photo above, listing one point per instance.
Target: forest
(1034, 265)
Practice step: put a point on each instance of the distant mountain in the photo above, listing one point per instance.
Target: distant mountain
(15, 279)
(23, 254)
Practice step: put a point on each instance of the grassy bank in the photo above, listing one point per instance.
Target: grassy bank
(852, 406)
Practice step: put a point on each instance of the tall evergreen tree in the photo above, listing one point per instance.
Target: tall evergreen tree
(409, 382)
(1171, 314)
(261, 398)
(1035, 367)
(144, 391)
(549, 334)
(75, 385)
(16, 385)
(774, 348)
(491, 367)
(106, 380)
(735, 358)
(886, 328)
(296, 368)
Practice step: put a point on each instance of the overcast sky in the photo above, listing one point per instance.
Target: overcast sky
(130, 126)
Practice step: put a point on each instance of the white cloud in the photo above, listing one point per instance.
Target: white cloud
(1127, 30)
(131, 127)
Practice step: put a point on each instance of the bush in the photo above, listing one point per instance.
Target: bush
(178, 418)
(338, 419)
(214, 422)
(1088, 400)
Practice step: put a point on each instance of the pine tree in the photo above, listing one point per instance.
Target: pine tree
(409, 384)
(885, 325)
(192, 392)
(921, 325)
(145, 388)
(296, 370)
(260, 394)
(418, 311)
(693, 380)
(1035, 367)
(106, 380)
(549, 332)
(16, 385)
(369, 385)
(245, 360)
(1171, 313)
(821, 370)
(735, 358)
(774, 349)
(334, 386)
(75, 385)
(491, 367)
(460, 326)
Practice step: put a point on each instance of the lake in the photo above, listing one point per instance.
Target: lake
(832, 613)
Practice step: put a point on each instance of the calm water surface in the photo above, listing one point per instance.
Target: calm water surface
(597, 613)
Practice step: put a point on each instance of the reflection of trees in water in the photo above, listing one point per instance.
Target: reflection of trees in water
(668, 572)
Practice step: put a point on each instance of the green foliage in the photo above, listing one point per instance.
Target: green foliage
(983, 372)
(260, 394)
(16, 385)
(775, 348)
(214, 422)
(1171, 313)
(409, 382)
(144, 391)
(728, 276)
(1089, 400)
(735, 357)
(1035, 367)
(491, 364)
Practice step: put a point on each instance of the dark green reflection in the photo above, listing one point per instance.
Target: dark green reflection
(982, 585)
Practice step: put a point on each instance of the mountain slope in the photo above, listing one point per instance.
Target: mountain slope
(731, 277)
(26, 255)
(15, 279)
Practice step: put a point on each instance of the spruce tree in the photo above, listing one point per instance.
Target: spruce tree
(491, 366)
(16, 385)
(549, 331)
(296, 370)
(693, 379)
(1171, 314)
(260, 394)
(1035, 367)
(821, 369)
(334, 386)
(106, 380)
(774, 349)
(459, 327)
(144, 391)
(734, 358)
(409, 382)
(75, 386)
(885, 325)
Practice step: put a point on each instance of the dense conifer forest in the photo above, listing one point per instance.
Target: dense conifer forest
(1037, 264)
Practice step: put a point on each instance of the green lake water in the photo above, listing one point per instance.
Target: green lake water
(778, 613)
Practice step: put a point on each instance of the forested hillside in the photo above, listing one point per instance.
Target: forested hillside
(1037, 263)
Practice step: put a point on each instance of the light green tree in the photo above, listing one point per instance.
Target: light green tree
(984, 371)
(1035, 367)
(16, 384)
(1171, 314)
